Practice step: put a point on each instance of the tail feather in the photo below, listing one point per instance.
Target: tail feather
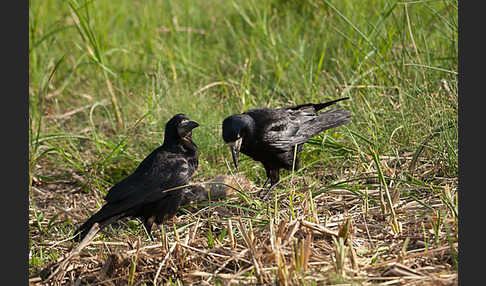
(103, 217)
(333, 118)
(330, 119)
(319, 106)
(83, 230)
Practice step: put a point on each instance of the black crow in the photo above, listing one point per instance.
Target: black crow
(143, 193)
(270, 135)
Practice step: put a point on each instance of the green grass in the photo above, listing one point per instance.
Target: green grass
(105, 76)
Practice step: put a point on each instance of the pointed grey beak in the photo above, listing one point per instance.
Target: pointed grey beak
(235, 155)
(235, 151)
(186, 127)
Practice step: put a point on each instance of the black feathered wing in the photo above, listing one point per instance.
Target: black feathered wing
(300, 125)
(280, 127)
(163, 170)
(130, 184)
(146, 185)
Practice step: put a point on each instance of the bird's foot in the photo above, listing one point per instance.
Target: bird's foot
(263, 194)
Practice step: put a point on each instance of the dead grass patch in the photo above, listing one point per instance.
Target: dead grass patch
(334, 237)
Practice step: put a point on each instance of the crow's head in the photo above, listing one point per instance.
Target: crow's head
(235, 129)
(179, 126)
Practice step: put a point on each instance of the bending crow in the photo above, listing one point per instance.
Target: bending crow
(270, 135)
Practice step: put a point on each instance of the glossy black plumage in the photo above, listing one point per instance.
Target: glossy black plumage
(269, 135)
(141, 194)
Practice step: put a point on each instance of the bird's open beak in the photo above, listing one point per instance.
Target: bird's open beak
(186, 127)
(235, 151)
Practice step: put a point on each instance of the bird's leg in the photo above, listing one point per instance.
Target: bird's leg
(268, 191)
(269, 175)
(266, 182)
(273, 176)
(148, 227)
